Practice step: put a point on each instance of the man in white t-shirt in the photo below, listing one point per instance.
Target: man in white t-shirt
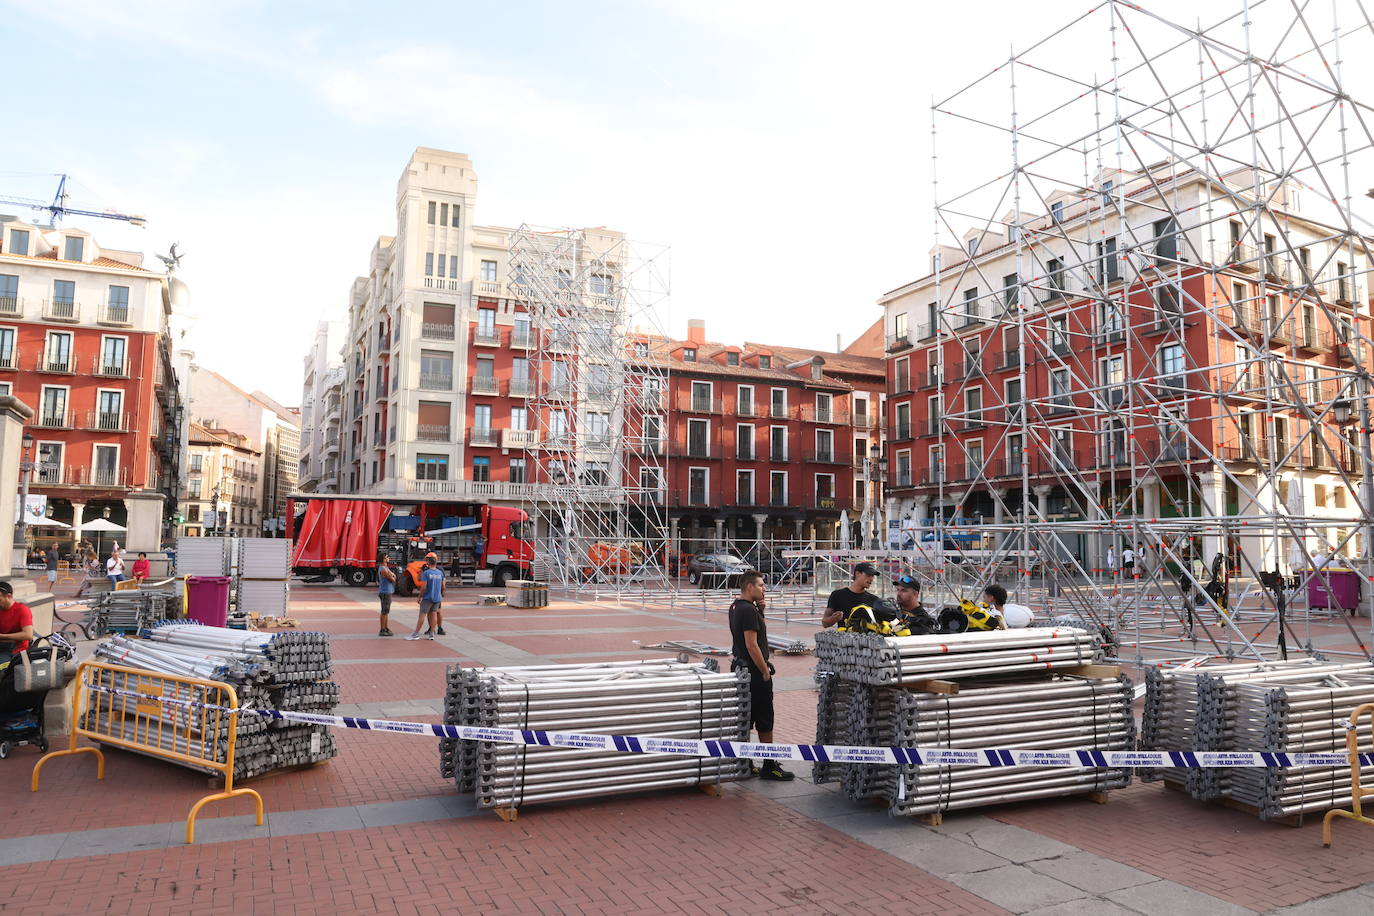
(114, 568)
(1127, 563)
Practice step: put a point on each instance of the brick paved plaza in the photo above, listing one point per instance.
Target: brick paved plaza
(377, 829)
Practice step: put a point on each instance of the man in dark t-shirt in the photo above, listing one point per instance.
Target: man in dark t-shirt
(749, 646)
(844, 600)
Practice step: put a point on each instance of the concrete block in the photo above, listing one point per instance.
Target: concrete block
(1174, 899)
(121, 839)
(1015, 843)
(29, 849)
(1091, 873)
(1354, 902)
(316, 820)
(411, 811)
(1016, 888)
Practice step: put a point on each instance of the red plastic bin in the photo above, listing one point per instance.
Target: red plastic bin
(207, 599)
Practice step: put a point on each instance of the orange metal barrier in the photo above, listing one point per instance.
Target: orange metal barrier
(1357, 797)
(135, 717)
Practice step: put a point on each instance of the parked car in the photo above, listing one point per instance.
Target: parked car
(778, 570)
(716, 570)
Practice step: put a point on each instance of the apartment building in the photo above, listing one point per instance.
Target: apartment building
(766, 441)
(268, 428)
(84, 340)
(224, 479)
(322, 411)
(439, 370)
(1151, 348)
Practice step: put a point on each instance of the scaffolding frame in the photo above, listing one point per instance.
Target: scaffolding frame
(595, 458)
(1191, 133)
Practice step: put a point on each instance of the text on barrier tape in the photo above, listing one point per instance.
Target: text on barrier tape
(822, 753)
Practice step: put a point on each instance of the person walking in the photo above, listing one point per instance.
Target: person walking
(114, 569)
(431, 599)
(386, 587)
(50, 563)
(843, 600)
(750, 650)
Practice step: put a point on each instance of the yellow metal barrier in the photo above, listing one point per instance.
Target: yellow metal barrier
(64, 572)
(124, 707)
(1352, 745)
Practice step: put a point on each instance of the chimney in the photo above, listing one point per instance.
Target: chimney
(696, 330)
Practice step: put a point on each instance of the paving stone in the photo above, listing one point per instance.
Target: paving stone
(819, 804)
(1175, 900)
(1091, 873)
(1016, 888)
(941, 855)
(387, 814)
(230, 829)
(120, 840)
(318, 820)
(1084, 906)
(796, 788)
(1354, 902)
(1015, 843)
(24, 850)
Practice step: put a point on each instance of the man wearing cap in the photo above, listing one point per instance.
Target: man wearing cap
(16, 624)
(844, 600)
(909, 603)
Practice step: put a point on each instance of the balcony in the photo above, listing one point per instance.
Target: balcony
(1006, 467)
(58, 363)
(482, 384)
(110, 421)
(1173, 385)
(968, 369)
(56, 419)
(970, 470)
(1011, 359)
(110, 366)
(483, 436)
(98, 477)
(745, 452)
(1280, 331)
(521, 388)
(114, 314)
(830, 503)
(699, 404)
(901, 432)
(831, 415)
(9, 359)
(433, 432)
(826, 456)
(1344, 289)
(1314, 339)
(934, 378)
(1276, 268)
(493, 288)
(11, 306)
(522, 338)
(432, 381)
(750, 410)
(781, 412)
(61, 310)
(778, 455)
(652, 447)
(562, 343)
(898, 343)
(448, 285)
(1243, 258)
(934, 425)
(1165, 321)
(1244, 453)
(519, 438)
(1345, 352)
(931, 477)
(901, 384)
(432, 331)
(701, 450)
(486, 337)
(863, 420)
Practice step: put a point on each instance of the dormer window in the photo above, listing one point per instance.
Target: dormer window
(1107, 192)
(972, 247)
(732, 359)
(765, 362)
(75, 247)
(641, 349)
(689, 355)
(1057, 211)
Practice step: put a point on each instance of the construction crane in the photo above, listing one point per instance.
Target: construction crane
(58, 208)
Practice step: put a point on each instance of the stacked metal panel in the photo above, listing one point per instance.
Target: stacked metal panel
(655, 698)
(883, 660)
(204, 556)
(1282, 706)
(285, 671)
(134, 611)
(263, 583)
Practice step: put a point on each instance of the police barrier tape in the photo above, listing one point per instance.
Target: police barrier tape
(824, 753)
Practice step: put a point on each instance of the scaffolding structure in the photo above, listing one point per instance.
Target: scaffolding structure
(1155, 334)
(595, 448)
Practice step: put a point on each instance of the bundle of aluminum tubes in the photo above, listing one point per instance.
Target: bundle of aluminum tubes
(657, 698)
(1061, 712)
(284, 671)
(133, 611)
(1293, 706)
(787, 645)
(879, 660)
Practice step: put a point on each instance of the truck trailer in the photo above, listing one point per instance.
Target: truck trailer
(347, 536)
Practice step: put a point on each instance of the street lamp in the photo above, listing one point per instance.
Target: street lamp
(21, 526)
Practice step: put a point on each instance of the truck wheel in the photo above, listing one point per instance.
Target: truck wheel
(355, 577)
(404, 586)
(693, 578)
(504, 574)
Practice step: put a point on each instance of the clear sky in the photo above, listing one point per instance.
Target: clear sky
(781, 149)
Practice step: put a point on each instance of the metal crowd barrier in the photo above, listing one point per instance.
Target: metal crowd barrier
(187, 720)
(1357, 795)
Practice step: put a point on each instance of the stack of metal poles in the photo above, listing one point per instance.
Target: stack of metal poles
(881, 660)
(651, 698)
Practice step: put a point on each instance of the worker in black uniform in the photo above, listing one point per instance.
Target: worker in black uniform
(844, 600)
(749, 646)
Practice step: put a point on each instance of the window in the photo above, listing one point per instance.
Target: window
(937, 464)
(1166, 241)
(1107, 192)
(105, 459)
(436, 369)
(1114, 379)
(689, 355)
(825, 491)
(1062, 444)
(744, 441)
(196, 463)
(441, 261)
(1059, 334)
(860, 411)
(777, 488)
(653, 432)
(520, 369)
(932, 319)
(899, 325)
(50, 468)
(486, 322)
(971, 305)
(453, 220)
(1054, 277)
(779, 402)
(744, 400)
(193, 488)
(904, 469)
(519, 418)
(1108, 267)
(641, 350)
(765, 362)
(744, 488)
(109, 407)
(558, 424)
(933, 412)
(823, 412)
(19, 241)
(452, 266)
(517, 470)
(1171, 365)
(1111, 317)
(651, 482)
(1057, 211)
(117, 304)
(601, 285)
(902, 426)
(973, 451)
(58, 352)
(701, 397)
(1016, 453)
(732, 358)
(1114, 442)
(973, 407)
(698, 485)
(598, 429)
(699, 438)
(433, 209)
(825, 445)
(429, 262)
(1011, 286)
(74, 249)
(481, 468)
(7, 354)
(63, 292)
(9, 293)
(481, 417)
(777, 443)
(901, 375)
